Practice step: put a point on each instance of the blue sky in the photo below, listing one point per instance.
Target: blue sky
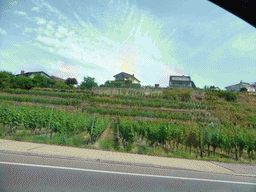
(151, 39)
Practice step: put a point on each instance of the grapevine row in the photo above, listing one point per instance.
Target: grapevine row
(151, 103)
(55, 121)
(33, 92)
(173, 134)
(40, 100)
(134, 112)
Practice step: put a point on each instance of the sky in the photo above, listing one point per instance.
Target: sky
(151, 39)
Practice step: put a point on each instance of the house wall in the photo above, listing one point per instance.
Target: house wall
(236, 87)
(33, 74)
(125, 77)
(180, 84)
(181, 78)
(250, 89)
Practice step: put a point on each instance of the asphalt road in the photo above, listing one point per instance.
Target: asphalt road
(30, 172)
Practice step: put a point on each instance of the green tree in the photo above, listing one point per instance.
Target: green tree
(193, 85)
(71, 86)
(41, 81)
(6, 79)
(23, 82)
(61, 85)
(88, 83)
(72, 81)
(243, 89)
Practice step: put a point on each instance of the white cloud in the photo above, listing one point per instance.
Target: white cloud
(58, 35)
(35, 9)
(49, 27)
(50, 41)
(28, 30)
(40, 21)
(3, 31)
(54, 10)
(20, 12)
(62, 30)
(244, 44)
(52, 23)
(51, 49)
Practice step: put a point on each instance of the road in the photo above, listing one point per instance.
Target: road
(28, 172)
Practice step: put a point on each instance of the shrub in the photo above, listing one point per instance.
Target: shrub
(185, 95)
(170, 94)
(231, 96)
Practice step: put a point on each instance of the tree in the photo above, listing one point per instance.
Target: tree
(23, 82)
(88, 83)
(71, 86)
(6, 79)
(41, 81)
(243, 89)
(72, 81)
(193, 85)
(61, 85)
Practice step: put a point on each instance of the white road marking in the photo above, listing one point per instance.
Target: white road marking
(134, 174)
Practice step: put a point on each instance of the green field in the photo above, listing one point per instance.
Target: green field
(174, 124)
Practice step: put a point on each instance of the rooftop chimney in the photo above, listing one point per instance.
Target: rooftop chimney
(22, 72)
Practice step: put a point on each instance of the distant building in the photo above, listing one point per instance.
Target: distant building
(238, 86)
(180, 81)
(253, 85)
(125, 76)
(57, 78)
(32, 74)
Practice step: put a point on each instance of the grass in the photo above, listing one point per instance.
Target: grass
(108, 142)
(243, 110)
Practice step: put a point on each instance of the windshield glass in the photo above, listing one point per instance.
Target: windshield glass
(148, 39)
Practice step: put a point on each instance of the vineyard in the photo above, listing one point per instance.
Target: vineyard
(213, 129)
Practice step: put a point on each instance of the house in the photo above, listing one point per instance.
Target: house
(237, 87)
(125, 76)
(253, 85)
(32, 74)
(180, 81)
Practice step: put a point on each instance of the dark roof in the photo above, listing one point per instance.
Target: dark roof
(34, 72)
(181, 81)
(57, 78)
(171, 76)
(123, 73)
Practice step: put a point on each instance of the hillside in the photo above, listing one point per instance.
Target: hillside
(175, 123)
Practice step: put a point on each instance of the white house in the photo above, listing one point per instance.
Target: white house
(237, 87)
(32, 74)
(125, 76)
(180, 81)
